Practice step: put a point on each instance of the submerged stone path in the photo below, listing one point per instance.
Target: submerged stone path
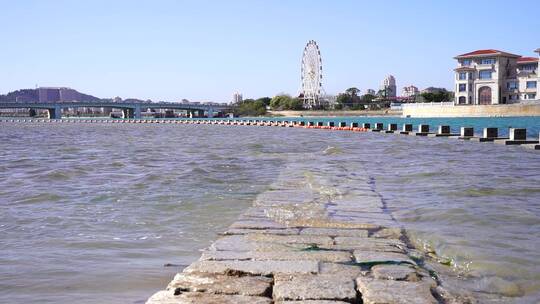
(320, 235)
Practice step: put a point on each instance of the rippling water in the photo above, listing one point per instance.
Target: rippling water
(93, 212)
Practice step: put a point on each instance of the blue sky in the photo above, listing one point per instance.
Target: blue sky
(205, 50)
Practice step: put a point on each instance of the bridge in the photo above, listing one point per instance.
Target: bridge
(130, 109)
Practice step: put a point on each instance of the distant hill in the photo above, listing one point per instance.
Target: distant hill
(32, 95)
(24, 94)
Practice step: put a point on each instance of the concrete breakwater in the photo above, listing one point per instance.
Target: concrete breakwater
(515, 136)
(451, 110)
(314, 237)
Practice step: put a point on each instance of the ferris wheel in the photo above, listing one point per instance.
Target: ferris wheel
(311, 74)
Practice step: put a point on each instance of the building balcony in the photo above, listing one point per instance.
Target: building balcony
(523, 73)
(485, 66)
(466, 68)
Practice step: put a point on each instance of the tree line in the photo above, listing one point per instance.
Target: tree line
(348, 100)
(258, 107)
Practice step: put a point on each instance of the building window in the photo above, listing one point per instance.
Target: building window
(466, 62)
(531, 84)
(528, 67)
(462, 100)
(462, 76)
(470, 75)
(462, 87)
(484, 74)
(487, 61)
(512, 85)
(531, 96)
(514, 97)
(484, 96)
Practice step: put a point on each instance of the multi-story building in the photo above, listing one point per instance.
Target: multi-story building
(370, 92)
(538, 74)
(409, 91)
(388, 86)
(237, 97)
(495, 77)
(526, 80)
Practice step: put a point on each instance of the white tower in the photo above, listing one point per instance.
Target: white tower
(237, 97)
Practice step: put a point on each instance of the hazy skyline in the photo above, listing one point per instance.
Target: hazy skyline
(206, 50)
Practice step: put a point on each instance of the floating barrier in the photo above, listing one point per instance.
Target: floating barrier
(391, 128)
(516, 136)
(378, 127)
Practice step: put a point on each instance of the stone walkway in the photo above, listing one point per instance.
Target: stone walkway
(317, 236)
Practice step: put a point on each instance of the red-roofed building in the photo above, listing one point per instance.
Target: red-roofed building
(485, 77)
(527, 59)
(538, 75)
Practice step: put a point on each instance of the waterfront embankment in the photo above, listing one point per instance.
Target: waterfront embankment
(451, 110)
(313, 237)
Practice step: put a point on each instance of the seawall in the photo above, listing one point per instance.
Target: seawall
(336, 113)
(427, 110)
(321, 234)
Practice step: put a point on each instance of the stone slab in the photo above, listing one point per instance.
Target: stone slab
(254, 211)
(315, 287)
(365, 247)
(287, 231)
(291, 212)
(221, 284)
(333, 232)
(347, 240)
(233, 243)
(311, 302)
(291, 239)
(394, 292)
(329, 223)
(373, 216)
(344, 270)
(166, 297)
(367, 257)
(258, 224)
(264, 268)
(241, 243)
(264, 242)
(388, 233)
(394, 272)
(358, 209)
(323, 255)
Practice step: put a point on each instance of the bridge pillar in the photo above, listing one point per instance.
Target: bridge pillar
(137, 111)
(54, 113)
(127, 113)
